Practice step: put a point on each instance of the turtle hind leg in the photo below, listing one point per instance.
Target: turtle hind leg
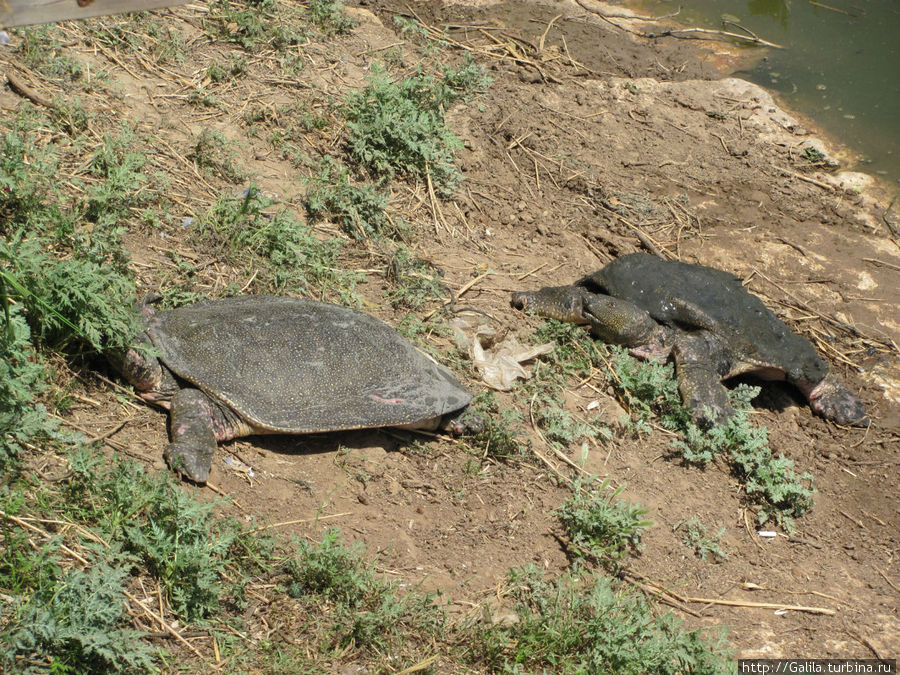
(699, 365)
(192, 430)
(832, 400)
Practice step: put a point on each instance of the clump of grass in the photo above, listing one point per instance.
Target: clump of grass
(697, 538)
(141, 33)
(398, 128)
(782, 494)
(212, 151)
(42, 51)
(329, 18)
(76, 622)
(813, 155)
(365, 612)
(360, 209)
(69, 301)
(246, 229)
(23, 378)
(254, 26)
(600, 525)
(174, 537)
(591, 624)
(500, 436)
(413, 282)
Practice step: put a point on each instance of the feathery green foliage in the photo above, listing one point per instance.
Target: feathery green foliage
(696, 537)
(398, 128)
(174, 537)
(23, 377)
(367, 611)
(78, 623)
(288, 253)
(771, 481)
(361, 210)
(601, 525)
(591, 624)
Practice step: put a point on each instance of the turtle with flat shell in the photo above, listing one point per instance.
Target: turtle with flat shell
(279, 365)
(706, 321)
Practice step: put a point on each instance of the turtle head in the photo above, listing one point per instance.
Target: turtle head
(563, 303)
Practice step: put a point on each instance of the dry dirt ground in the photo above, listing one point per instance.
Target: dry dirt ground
(588, 144)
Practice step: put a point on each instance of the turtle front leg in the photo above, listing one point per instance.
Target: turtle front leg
(699, 366)
(192, 430)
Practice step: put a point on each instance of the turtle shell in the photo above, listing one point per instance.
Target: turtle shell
(300, 366)
(750, 329)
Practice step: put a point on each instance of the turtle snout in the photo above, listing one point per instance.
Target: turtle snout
(520, 300)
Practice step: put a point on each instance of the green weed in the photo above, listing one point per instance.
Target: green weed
(398, 128)
(254, 26)
(360, 210)
(175, 538)
(500, 437)
(139, 33)
(76, 623)
(329, 18)
(813, 155)
(591, 624)
(696, 537)
(413, 282)
(212, 151)
(42, 51)
(782, 494)
(23, 378)
(365, 612)
(69, 301)
(600, 525)
(246, 231)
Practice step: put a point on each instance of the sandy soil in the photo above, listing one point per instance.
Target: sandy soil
(586, 138)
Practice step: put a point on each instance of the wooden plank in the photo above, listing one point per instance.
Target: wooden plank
(27, 12)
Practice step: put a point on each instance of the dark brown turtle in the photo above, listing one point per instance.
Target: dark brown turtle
(706, 321)
(278, 365)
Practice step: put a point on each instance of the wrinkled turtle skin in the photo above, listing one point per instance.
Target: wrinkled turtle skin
(261, 365)
(706, 321)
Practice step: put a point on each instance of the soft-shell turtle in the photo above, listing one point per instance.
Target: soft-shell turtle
(266, 365)
(707, 321)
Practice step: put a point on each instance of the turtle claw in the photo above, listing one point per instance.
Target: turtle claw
(832, 400)
(188, 462)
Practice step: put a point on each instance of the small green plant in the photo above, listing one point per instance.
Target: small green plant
(696, 537)
(499, 437)
(246, 229)
(141, 33)
(76, 621)
(41, 50)
(69, 301)
(813, 155)
(591, 624)
(414, 282)
(329, 18)
(361, 210)
(265, 24)
(398, 128)
(601, 525)
(781, 493)
(175, 538)
(366, 611)
(23, 378)
(212, 151)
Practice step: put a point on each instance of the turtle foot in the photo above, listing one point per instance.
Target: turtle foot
(188, 462)
(832, 400)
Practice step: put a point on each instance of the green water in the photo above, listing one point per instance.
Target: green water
(841, 65)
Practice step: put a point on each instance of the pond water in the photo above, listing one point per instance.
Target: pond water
(840, 65)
